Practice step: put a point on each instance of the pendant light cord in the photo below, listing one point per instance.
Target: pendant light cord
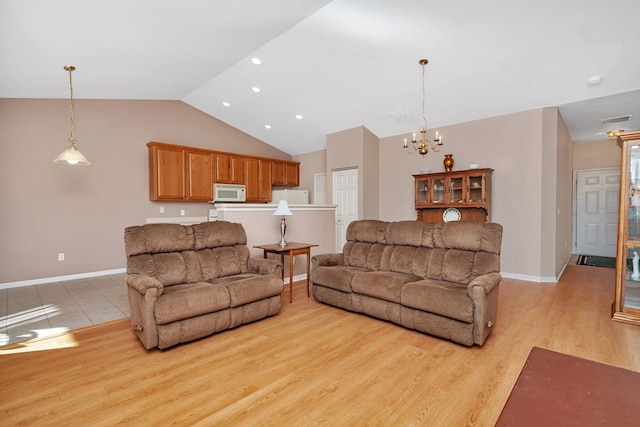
(72, 138)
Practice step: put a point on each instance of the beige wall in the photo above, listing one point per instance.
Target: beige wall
(262, 227)
(356, 148)
(564, 195)
(596, 154)
(311, 164)
(49, 208)
(510, 144)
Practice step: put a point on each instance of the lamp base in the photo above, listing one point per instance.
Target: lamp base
(283, 229)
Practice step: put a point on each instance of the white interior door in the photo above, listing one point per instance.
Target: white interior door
(345, 197)
(597, 212)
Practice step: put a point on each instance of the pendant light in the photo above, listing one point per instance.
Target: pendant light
(419, 140)
(71, 155)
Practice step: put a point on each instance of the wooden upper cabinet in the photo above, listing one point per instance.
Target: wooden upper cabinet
(166, 173)
(285, 173)
(229, 169)
(257, 174)
(199, 173)
(182, 173)
(236, 170)
(178, 173)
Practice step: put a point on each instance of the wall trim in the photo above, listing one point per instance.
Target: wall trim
(32, 282)
(256, 207)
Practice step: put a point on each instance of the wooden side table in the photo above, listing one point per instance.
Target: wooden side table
(292, 249)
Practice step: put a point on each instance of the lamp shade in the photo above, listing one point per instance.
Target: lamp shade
(73, 156)
(283, 209)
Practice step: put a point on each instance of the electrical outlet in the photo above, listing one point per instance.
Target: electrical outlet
(161, 209)
(182, 212)
(61, 256)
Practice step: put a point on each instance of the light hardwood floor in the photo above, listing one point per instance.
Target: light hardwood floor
(312, 365)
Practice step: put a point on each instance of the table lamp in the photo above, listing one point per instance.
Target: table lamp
(283, 210)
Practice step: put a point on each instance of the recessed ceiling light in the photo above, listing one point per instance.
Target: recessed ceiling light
(255, 89)
(595, 80)
(267, 126)
(226, 104)
(299, 116)
(256, 61)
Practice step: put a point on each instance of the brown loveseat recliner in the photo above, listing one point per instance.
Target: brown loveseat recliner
(441, 279)
(189, 281)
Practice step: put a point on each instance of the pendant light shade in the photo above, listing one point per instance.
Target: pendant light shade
(71, 155)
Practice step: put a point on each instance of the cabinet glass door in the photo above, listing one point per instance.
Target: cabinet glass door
(438, 190)
(631, 290)
(476, 185)
(422, 195)
(457, 193)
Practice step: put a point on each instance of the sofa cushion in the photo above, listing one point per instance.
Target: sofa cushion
(189, 300)
(247, 288)
(385, 285)
(440, 297)
(155, 238)
(363, 254)
(335, 277)
(214, 234)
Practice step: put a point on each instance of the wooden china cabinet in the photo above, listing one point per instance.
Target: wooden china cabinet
(626, 304)
(454, 196)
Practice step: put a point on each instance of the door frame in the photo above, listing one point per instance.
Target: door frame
(574, 231)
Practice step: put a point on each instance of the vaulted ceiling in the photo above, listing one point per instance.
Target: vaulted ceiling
(339, 64)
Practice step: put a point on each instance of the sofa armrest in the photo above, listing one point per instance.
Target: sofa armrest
(484, 290)
(487, 282)
(143, 283)
(265, 267)
(326, 260)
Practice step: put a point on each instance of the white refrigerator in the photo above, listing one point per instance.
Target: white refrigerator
(293, 197)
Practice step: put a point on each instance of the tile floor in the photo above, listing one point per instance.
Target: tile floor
(40, 310)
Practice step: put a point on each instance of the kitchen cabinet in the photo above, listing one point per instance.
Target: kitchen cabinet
(285, 173)
(229, 169)
(257, 180)
(626, 304)
(460, 195)
(178, 173)
(199, 176)
(166, 173)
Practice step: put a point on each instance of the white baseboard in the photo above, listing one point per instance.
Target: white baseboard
(526, 277)
(61, 278)
(295, 278)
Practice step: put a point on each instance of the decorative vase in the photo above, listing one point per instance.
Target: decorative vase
(448, 162)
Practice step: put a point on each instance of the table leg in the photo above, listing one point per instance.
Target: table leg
(308, 269)
(290, 277)
(282, 262)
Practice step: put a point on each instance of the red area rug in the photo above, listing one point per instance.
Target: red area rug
(556, 389)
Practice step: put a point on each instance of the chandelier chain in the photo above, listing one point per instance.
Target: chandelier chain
(72, 138)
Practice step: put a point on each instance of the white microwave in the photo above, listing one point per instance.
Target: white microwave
(229, 193)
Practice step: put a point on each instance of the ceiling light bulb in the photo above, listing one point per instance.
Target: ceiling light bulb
(226, 104)
(255, 89)
(267, 126)
(256, 61)
(299, 116)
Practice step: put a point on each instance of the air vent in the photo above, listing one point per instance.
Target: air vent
(615, 120)
(404, 116)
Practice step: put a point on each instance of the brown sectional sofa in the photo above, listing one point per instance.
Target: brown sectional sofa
(187, 282)
(442, 279)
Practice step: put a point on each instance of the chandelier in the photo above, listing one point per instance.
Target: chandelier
(71, 155)
(419, 140)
